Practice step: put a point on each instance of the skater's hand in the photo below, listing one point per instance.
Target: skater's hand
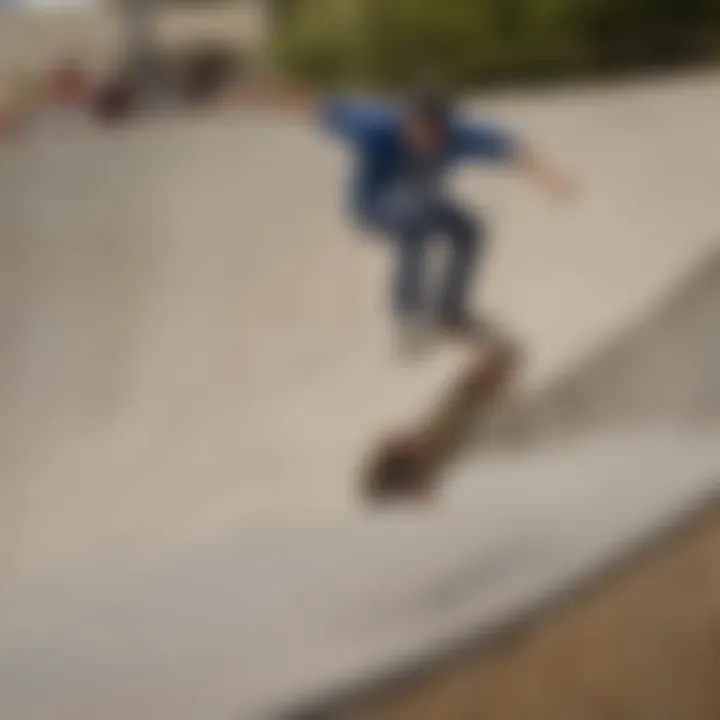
(559, 184)
(562, 186)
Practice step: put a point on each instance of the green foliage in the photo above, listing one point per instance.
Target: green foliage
(480, 41)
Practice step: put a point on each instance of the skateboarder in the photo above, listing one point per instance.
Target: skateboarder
(402, 158)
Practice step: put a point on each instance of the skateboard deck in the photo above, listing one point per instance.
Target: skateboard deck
(410, 464)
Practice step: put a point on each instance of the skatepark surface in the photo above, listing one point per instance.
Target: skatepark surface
(194, 361)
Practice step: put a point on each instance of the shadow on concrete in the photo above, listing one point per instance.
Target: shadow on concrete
(663, 368)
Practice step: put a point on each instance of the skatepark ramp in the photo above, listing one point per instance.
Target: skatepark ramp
(194, 358)
(660, 373)
(663, 367)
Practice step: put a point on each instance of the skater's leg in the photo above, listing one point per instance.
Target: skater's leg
(409, 272)
(466, 240)
(407, 224)
(408, 288)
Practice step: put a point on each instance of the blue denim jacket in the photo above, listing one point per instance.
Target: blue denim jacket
(374, 131)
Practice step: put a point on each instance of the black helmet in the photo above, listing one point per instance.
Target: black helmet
(430, 103)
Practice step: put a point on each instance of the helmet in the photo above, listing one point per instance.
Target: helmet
(432, 104)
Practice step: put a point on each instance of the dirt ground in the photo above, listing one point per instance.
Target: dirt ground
(642, 644)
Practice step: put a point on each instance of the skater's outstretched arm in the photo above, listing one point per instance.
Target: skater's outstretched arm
(493, 144)
(550, 177)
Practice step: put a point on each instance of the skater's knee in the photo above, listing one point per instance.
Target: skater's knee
(400, 215)
(466, 232)
(413, 221)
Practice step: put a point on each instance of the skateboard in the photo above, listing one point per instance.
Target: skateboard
(409, 466)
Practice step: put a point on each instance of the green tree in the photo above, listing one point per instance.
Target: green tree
(480, 41)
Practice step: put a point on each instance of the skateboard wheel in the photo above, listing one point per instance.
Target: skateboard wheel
(398, 471)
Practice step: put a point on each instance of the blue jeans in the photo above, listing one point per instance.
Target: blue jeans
(411, 223)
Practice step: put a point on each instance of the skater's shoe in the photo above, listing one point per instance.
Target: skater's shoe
(464, 326)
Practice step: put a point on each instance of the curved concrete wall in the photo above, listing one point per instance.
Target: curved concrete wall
(194, 354)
